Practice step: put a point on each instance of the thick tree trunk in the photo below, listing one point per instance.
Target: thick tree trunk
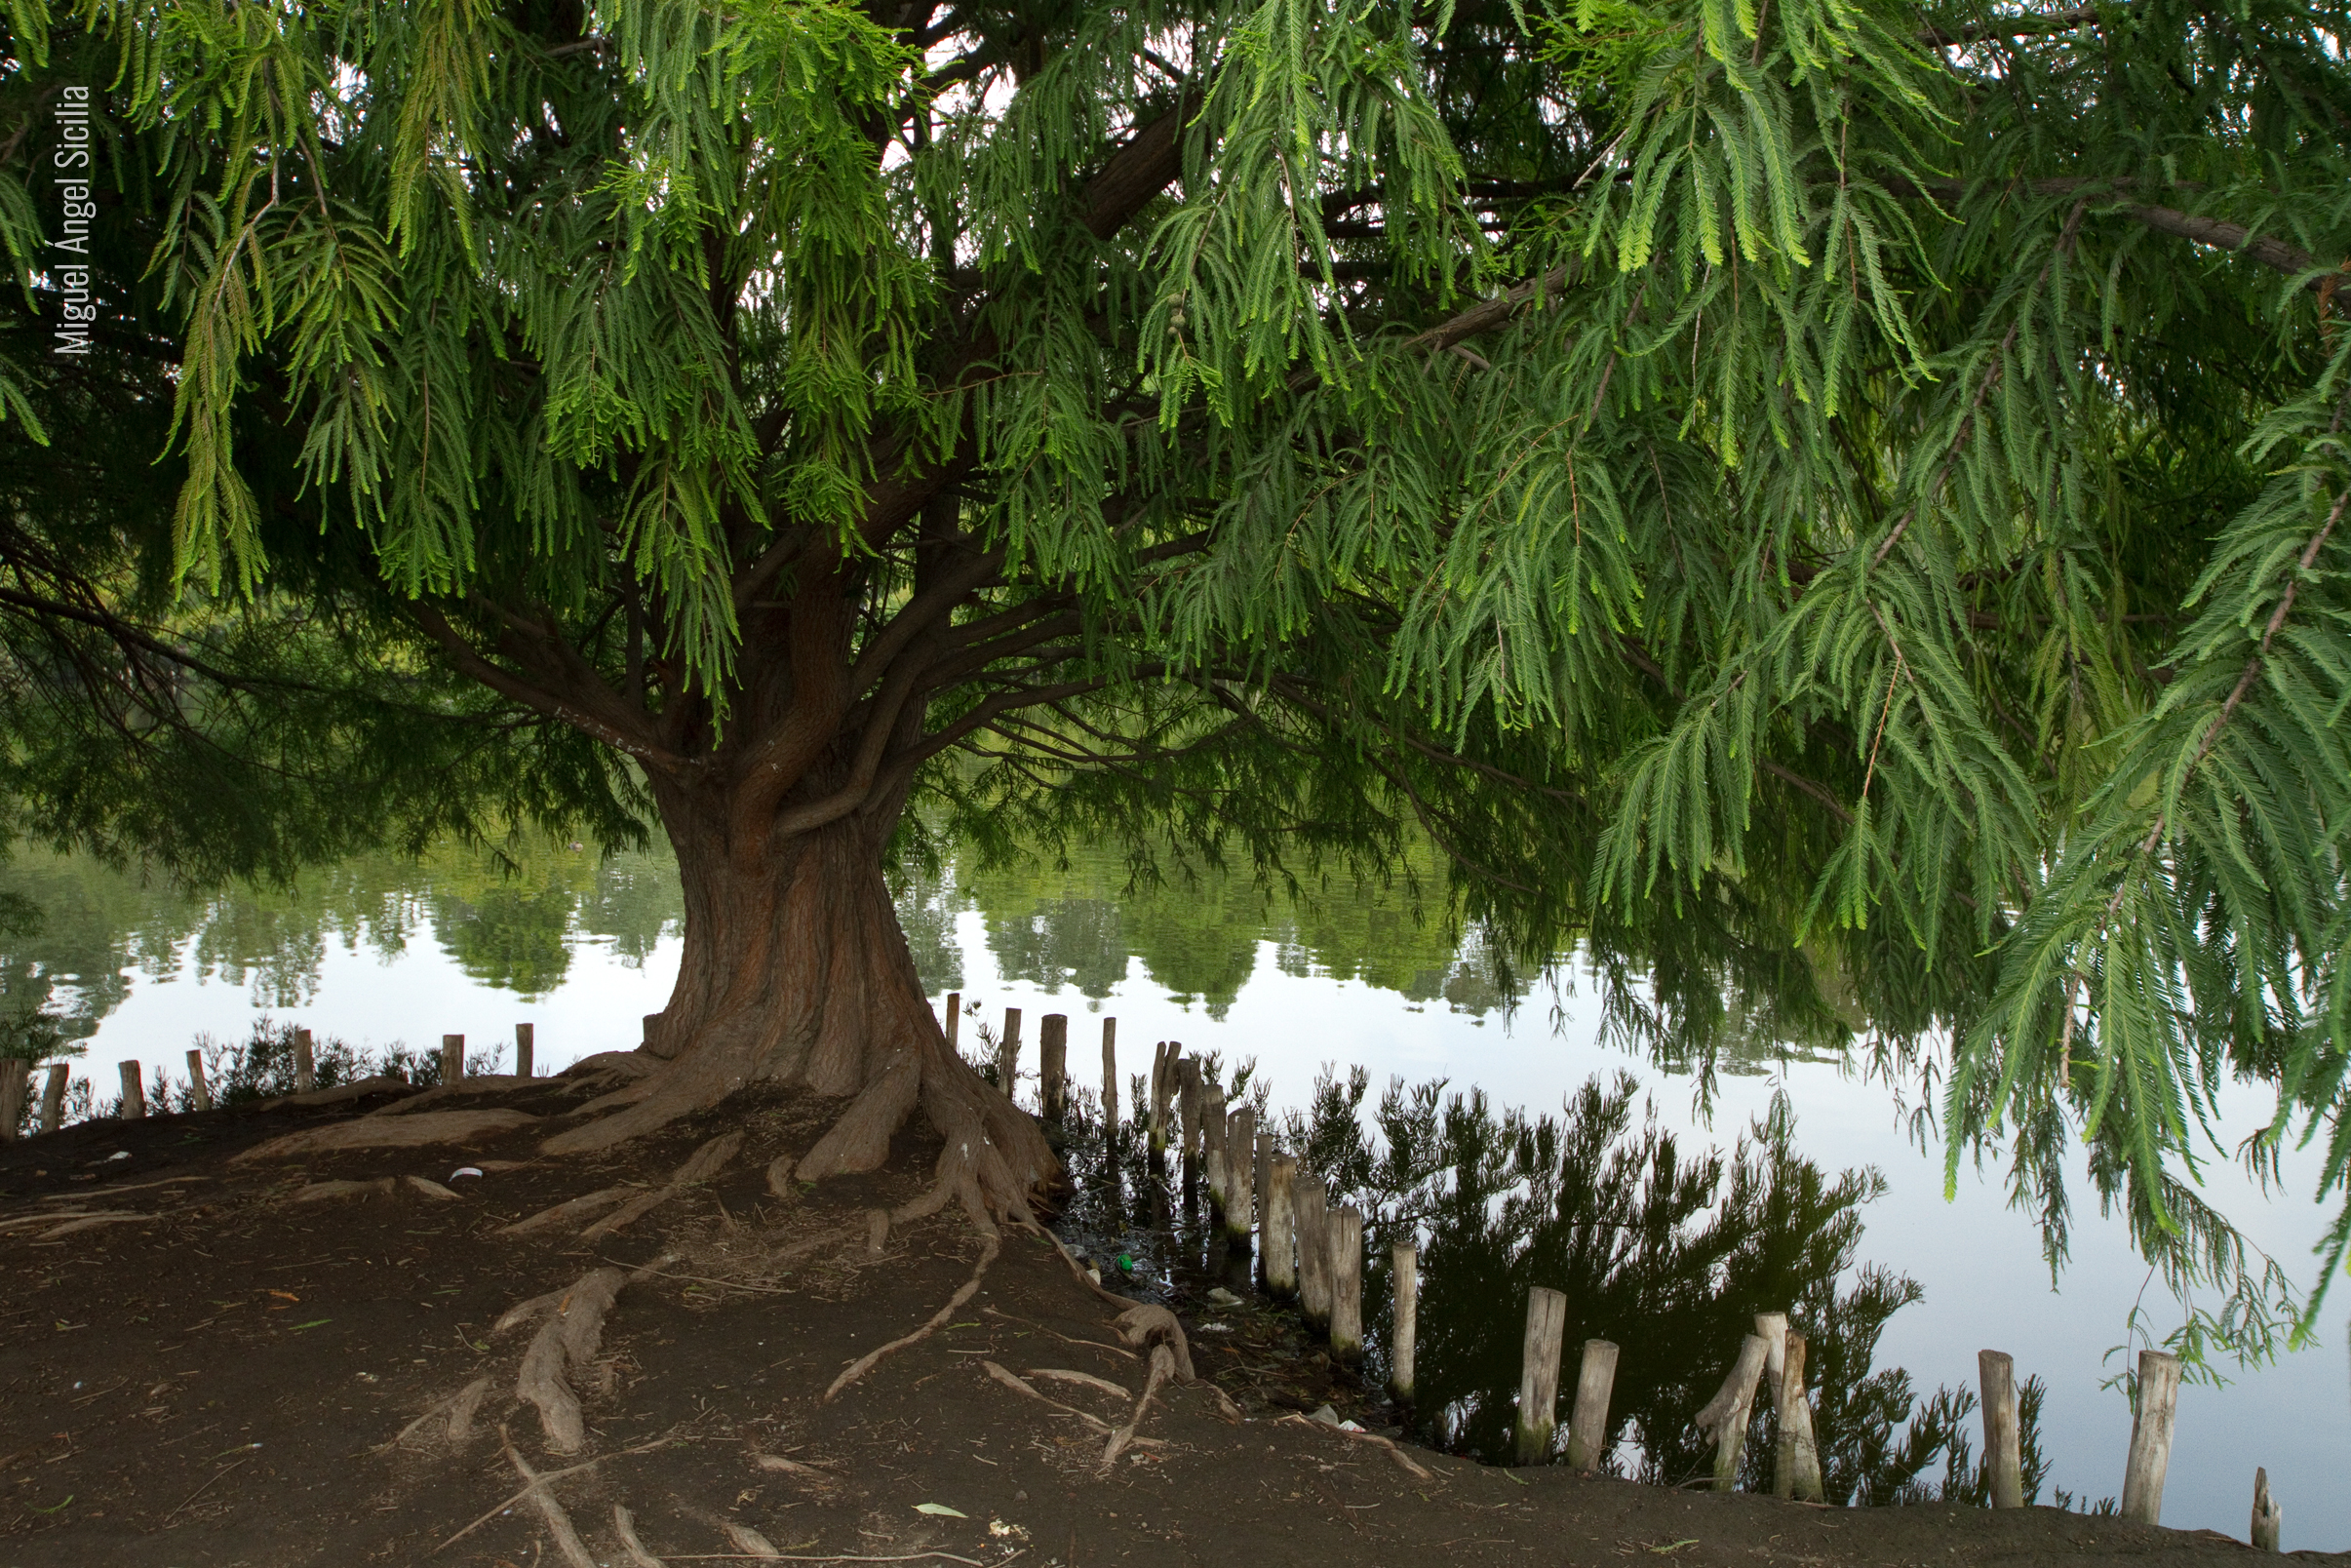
(796, 970)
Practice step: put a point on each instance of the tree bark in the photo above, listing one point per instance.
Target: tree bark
(794, 971)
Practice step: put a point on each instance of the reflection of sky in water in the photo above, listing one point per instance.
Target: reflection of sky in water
(398, 953)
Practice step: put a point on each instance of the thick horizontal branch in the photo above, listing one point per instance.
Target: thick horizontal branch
(470, 662)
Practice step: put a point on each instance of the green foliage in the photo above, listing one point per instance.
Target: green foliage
(1837, 507)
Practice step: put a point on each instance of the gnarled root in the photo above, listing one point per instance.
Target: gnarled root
(459, 1408)
(559, 1524)
(1162, 1367)
(625, 1526)
(1146, 1323)
(569, 1339)
(578, 1208)
(938, 1319)
(699, 1166)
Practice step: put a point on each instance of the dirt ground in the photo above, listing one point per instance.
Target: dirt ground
(211, 1371)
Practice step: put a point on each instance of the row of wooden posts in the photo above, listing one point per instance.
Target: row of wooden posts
(1313, 1253)
(14, 1076)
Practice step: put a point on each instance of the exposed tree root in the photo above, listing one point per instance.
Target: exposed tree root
(356, 1089)
(1416, 1471)
(459, 1408)
(321, 1192)
(624, 1526)
(1162, 1367)
(480, 1084)
(567, 1339)
(699, 1167)
(989, 1247)
(396, 1133)
(1029, 1390)
(578, 1208)
(93, 1222)
(1066, 1339)
(434, 1189)
(1063, 1374)
(751, 1542)
(779, 1177)
(618, 1064)
(559, 1524)
(877, 1231)
(1144, 1323)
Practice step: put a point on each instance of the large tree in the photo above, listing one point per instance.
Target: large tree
(1835, 500)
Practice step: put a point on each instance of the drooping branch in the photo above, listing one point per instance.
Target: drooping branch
(470, 662)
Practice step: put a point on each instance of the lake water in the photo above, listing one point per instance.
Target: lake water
(382, 951)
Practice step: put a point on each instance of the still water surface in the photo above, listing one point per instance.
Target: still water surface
(383, 950)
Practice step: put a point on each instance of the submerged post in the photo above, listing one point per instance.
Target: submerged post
(1725, 1417)
(1281, 1263)
(1110, 1078)
(2268, 1518)
(2002, 1441)
(953, 1022)
(1240, 1174)
(1156, 1130)
(200, 1093)
(53, 1097)
(1796, 1467)
(135, 1093)
(453, 1058)
(13, 1076)
(526, 1046)
(1588, 1424)
(1261, 1171)
(1538, 1373)
(1404, 1317)
(1187, 1092)
(1346, 1234)
(305, 1066)
(1054, 1066)
(2151, 1437)
(1007, 1055)
(1313, 1250)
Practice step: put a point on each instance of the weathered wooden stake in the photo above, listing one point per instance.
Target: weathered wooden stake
(1404, 1320)
(1261, 1171)
(53, 1097)
(305, 1065)
(2267, 1516)
(651, 1022)
(953, 1021)
(1346, 1237)
(1587, 1425)
(1539, 1374)
(13, 1076)
(453, 1058)
(2151, 1437)
(1110, 1078)
(1773, 1326)
(1796, 1467)
(1161, 1080)
(525, 1047)
(2002, 1441)
(1725, 1417)
(1212, 1145)
(200, 1093)
(1240, 1174)
(1007, 1055)
(1189, 1105)
(1054, 1066)
(135, 1093)
(1281, 1231)
(1307, 1219)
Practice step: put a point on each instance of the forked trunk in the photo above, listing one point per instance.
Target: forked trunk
(795, 969)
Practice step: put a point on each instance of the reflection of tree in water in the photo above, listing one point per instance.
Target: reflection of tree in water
(511, 937)
(926, 907)
(1667, 1254)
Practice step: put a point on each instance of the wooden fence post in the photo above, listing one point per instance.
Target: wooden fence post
(953, 1021)
(1539, 1374)
(1155, 1123)
(1588, 1424)
(2151, 1437)
(1773, 1326)
(525, 1047)
(1054, 1066)
(653, 1022)
(1007, 1055)
(53, 1097)
(305, 1063)
(1725, 1417)
(135, 1093)
(1240, 1173)
(453, 1058)
(1308, 1218)
(1281, 1263)
(1404, 1320)
(2002, 1441)
(14, 1073)
(200, 1093)
(1796, 1467)
(1261, 1169)
(1346, 1234)
(1212, 1146)
(2267, 1516)
(1110, 1078)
